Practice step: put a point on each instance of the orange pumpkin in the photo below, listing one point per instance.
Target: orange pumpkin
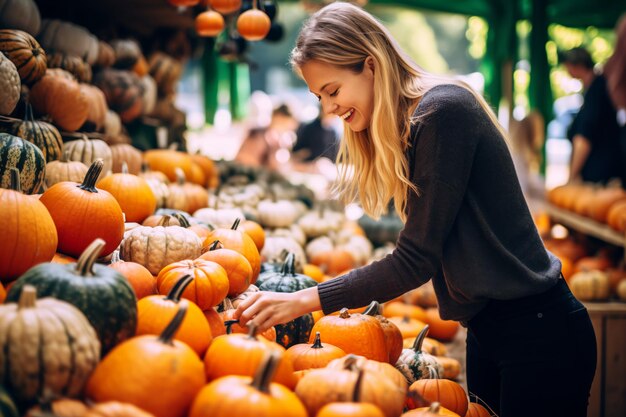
(3, 294)
(215, 322)
(225, 6)
(253, 25)
(246, 396)
(166, 161)
(335, 262)
(357, 333)
(400, 309)
(373, 368)
(443, 330)
(256, 233)
(306, 356)
(25, 52)
(82, 213)
(241, 354)
(239, 241)
(234, 263)
(157, 362)
(232, 325)
(477, 410)
(433, 410)
(393, 335)
(209, 23)
(210, 284)
(29, 234)
(142, 281)
(409, 328)
(155, 312)
(355, 408)
(132, 193)
(207, 166)
(444, 391)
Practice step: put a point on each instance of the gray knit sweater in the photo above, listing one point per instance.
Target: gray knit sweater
(470, 230)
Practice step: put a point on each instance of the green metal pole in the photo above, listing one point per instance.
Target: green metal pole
(210, 80)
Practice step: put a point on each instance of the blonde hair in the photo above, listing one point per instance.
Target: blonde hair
(373, 164)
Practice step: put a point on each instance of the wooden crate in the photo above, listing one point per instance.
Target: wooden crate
(608, 392)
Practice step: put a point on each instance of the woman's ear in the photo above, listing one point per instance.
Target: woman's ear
(369, 63)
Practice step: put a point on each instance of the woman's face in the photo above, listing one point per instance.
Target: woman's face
(342, 92)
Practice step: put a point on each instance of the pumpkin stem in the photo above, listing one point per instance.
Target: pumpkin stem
(168, 334)
(229, 325)
(115, 257)
(28, 113)
(266, 371)
(89, 183)
(178, 288)
(124, 168)
(373, 309)
(288, 266)
(320, 210)
(344, 313)
(317, 343)
(27, 297)
(417, 398)
(84, 266)
(14, 183)
(216, 245)
(350, 362)
(180, 176)
(182, 220)
(236, 224)
(434, 407)
(165, 221)
(65, 156)
(252, 329)
(356, 394)
(417, 344)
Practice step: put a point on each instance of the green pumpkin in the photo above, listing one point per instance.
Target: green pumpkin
(16, 152)
(7, 406)
(287, 280)
(385, 229)
(41, 134)
(100, 292)
(416, 364)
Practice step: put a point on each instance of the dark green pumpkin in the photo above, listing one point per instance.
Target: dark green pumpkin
(287, 280)
(100, 292)
(16, 152)
(43, 135)
(7, 406)
(386, 229)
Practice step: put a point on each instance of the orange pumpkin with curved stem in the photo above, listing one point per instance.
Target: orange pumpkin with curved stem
(210, 284)
(449, 394)
(155, 311)
(306, 356)
(29, 233)
(261, 397)
(355, 408)
(234, 263)
(393, 335)
(354, 333)
(241, 354)
(157, 362)
(82, 213)
(433, 410)
(239, 241)
(142, 281)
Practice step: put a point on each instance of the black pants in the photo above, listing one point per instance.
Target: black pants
(534, 356)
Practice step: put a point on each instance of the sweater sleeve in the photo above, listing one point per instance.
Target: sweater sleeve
(445, 144)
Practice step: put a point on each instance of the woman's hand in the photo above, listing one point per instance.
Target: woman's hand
(267, 309)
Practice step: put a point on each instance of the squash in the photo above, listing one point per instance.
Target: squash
(142, 281)
(98, 108)
(25, 52)
(372, 367)
(22, 155)
(48, 344)
(393, 336)
(123, 91)
(590, 285)
(58, 95)
(155, 312)
(210, 281)
(101, 293)
(82, 213)
(41, 134)
(246, 396)
(72, 64)
(127, 53)
(166, 72)
(357, 333)
(416, 364)
(156, 247)
(449, 394)
(157, 361)
(253, 24)
(477, 410)
(354, 408)
(69, 38)
(20, 14)
(320, 222)
(276, 213)
(237, 267)
(65, 170)
(10, 84)
(306, 356)
(433, 410)
(299, 329)
(29, 234)
(87, 151)
(133, 194)
(106, 55)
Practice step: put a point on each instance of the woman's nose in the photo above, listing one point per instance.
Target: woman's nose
(329, 108)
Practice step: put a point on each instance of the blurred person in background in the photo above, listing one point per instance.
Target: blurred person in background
(594, 132)
(317, 143)
(615, 73)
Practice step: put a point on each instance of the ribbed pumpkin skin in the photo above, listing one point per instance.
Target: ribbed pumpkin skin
(28, 234)
(126, 153)
(10, 85)
(87, 150)
(25, 52)
(299, 329)
(72, 64)
(26, 157)
(83, 213)
(166, 72)
(105, 298)
(444, 391)
(41, 134)
(132, 193)
(48, 344)
(123, 91)
(64, 170)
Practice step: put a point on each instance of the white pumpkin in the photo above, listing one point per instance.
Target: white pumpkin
(590, 285)
(280, 213)
(10, 84)
(222, 217)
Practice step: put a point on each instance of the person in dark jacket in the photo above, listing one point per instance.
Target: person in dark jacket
(434, 146)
